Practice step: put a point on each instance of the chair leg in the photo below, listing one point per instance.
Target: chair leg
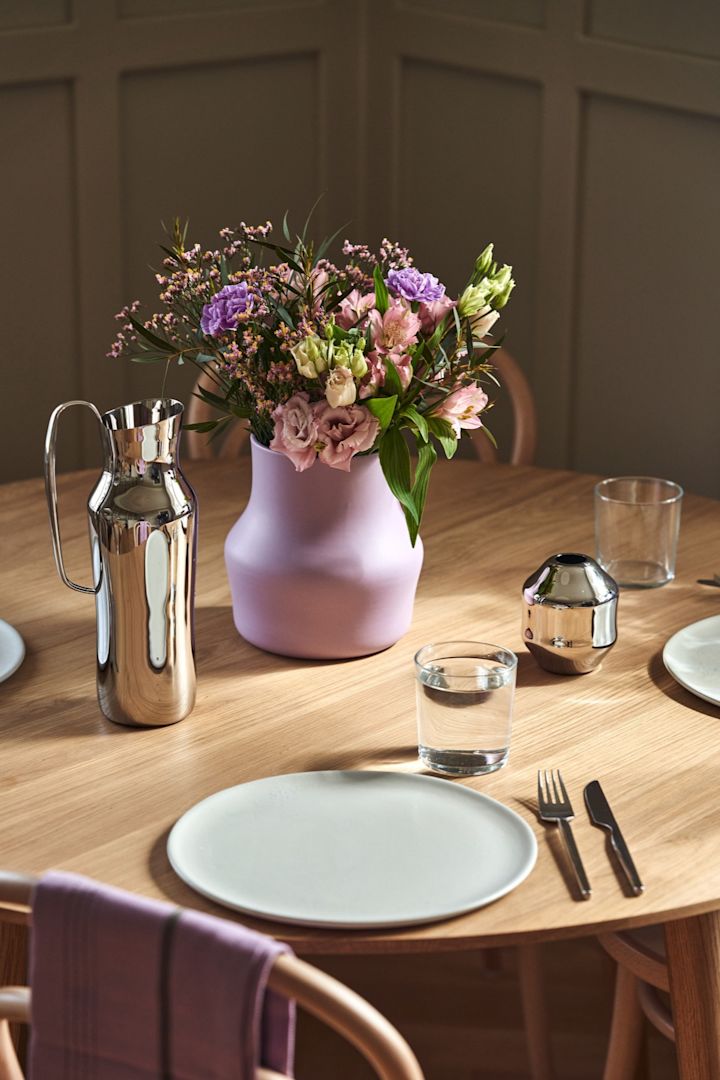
(13, 972)
(626, 1029)
(9, 1064)
(537, 1028)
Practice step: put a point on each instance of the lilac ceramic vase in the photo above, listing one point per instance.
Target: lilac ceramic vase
(320, 562)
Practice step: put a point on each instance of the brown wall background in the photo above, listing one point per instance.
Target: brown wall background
(582, 137)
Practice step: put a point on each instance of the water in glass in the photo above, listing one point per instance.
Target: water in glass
(464, 707)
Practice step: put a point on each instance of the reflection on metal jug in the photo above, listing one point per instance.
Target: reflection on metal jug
(143, 536)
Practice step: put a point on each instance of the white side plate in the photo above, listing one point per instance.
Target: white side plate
(692, 656)
(12, 650)
(352, 849)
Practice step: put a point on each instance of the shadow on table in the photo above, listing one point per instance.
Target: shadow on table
(396, 758)
(553, 842)
(665, 682)
(529, 672)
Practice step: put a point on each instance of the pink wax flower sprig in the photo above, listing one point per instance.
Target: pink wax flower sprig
(325, 361)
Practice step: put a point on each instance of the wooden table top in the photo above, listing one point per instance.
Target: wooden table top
(79, 793)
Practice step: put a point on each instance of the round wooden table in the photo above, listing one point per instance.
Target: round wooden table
(80, 793)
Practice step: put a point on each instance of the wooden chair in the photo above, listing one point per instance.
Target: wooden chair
(510, 374)
(640, 982)
(319, 994)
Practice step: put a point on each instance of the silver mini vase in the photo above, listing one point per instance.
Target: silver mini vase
(570, 614)
(143, 537)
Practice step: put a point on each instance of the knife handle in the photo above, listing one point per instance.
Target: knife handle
(575, 859)
(621, 850)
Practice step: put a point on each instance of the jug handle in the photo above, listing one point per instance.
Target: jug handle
(51, 493)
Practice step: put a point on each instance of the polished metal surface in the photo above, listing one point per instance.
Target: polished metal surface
(143, 538)
(602, 816)
(554, 805)
(51, 491)
(569, 614)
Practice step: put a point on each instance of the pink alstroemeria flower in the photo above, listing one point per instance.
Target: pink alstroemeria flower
(431, 315)
(461, 408)
(377, 363)
(296, 431)
(344, 431)
(354, 309)
(394, 331)
(318, 280)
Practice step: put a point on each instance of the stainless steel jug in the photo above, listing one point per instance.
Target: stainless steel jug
(143, 537)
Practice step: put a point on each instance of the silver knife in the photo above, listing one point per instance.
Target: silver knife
(603, 817)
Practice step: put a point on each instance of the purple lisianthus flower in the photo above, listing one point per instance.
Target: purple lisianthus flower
(412, 285)
(222, 311)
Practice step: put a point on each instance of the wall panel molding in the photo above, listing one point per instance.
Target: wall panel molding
(378, 69)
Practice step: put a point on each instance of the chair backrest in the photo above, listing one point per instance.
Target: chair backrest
(511, 376)
(316, 992)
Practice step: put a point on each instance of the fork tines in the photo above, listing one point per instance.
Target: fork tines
(548, 777)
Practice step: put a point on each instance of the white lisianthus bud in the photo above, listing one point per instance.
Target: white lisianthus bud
(310, 355)
(340, 388)
(483, 321)
(474, 298)
(358, 364)
(504, 285)
(484, 261)
(349, 355)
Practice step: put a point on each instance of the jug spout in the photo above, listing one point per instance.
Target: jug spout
(144, 432)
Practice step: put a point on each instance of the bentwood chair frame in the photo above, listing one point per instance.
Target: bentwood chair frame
(641, 980)
(510, 374)
(317, 993)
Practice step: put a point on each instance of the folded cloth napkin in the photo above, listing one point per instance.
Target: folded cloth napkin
(125, 988)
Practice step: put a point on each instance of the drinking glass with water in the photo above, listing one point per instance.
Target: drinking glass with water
(465, 692)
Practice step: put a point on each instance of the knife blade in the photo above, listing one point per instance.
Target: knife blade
(603, 817)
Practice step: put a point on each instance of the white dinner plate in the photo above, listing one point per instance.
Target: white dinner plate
(692, 656)
(352, 849)
(12, 650)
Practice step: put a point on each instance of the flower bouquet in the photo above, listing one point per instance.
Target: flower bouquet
(326, 362)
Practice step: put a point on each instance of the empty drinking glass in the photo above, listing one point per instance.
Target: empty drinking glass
(465, 692)
(637, 522)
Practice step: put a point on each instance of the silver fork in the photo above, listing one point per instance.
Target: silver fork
(555, 805)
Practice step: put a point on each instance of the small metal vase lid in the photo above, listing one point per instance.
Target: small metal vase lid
(570, 614)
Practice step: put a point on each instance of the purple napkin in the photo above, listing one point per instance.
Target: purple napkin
(125, 988)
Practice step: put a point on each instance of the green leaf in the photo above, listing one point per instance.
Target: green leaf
(223, 404)
(382, 300)
(339, 334)
(418, 420)
(148, 357)
(222, 424)
(328, 241)
(313, 208)
(285, 229)
(444, 434)
(224, 271)
(469, 340)
(158, 342)
(426, 459)
(170, 253)
(382, 409)
(490, 435)
(392, 379)
(206, 425)
(395, 463)
(204, 358)
(284, 254)
(285, 316)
